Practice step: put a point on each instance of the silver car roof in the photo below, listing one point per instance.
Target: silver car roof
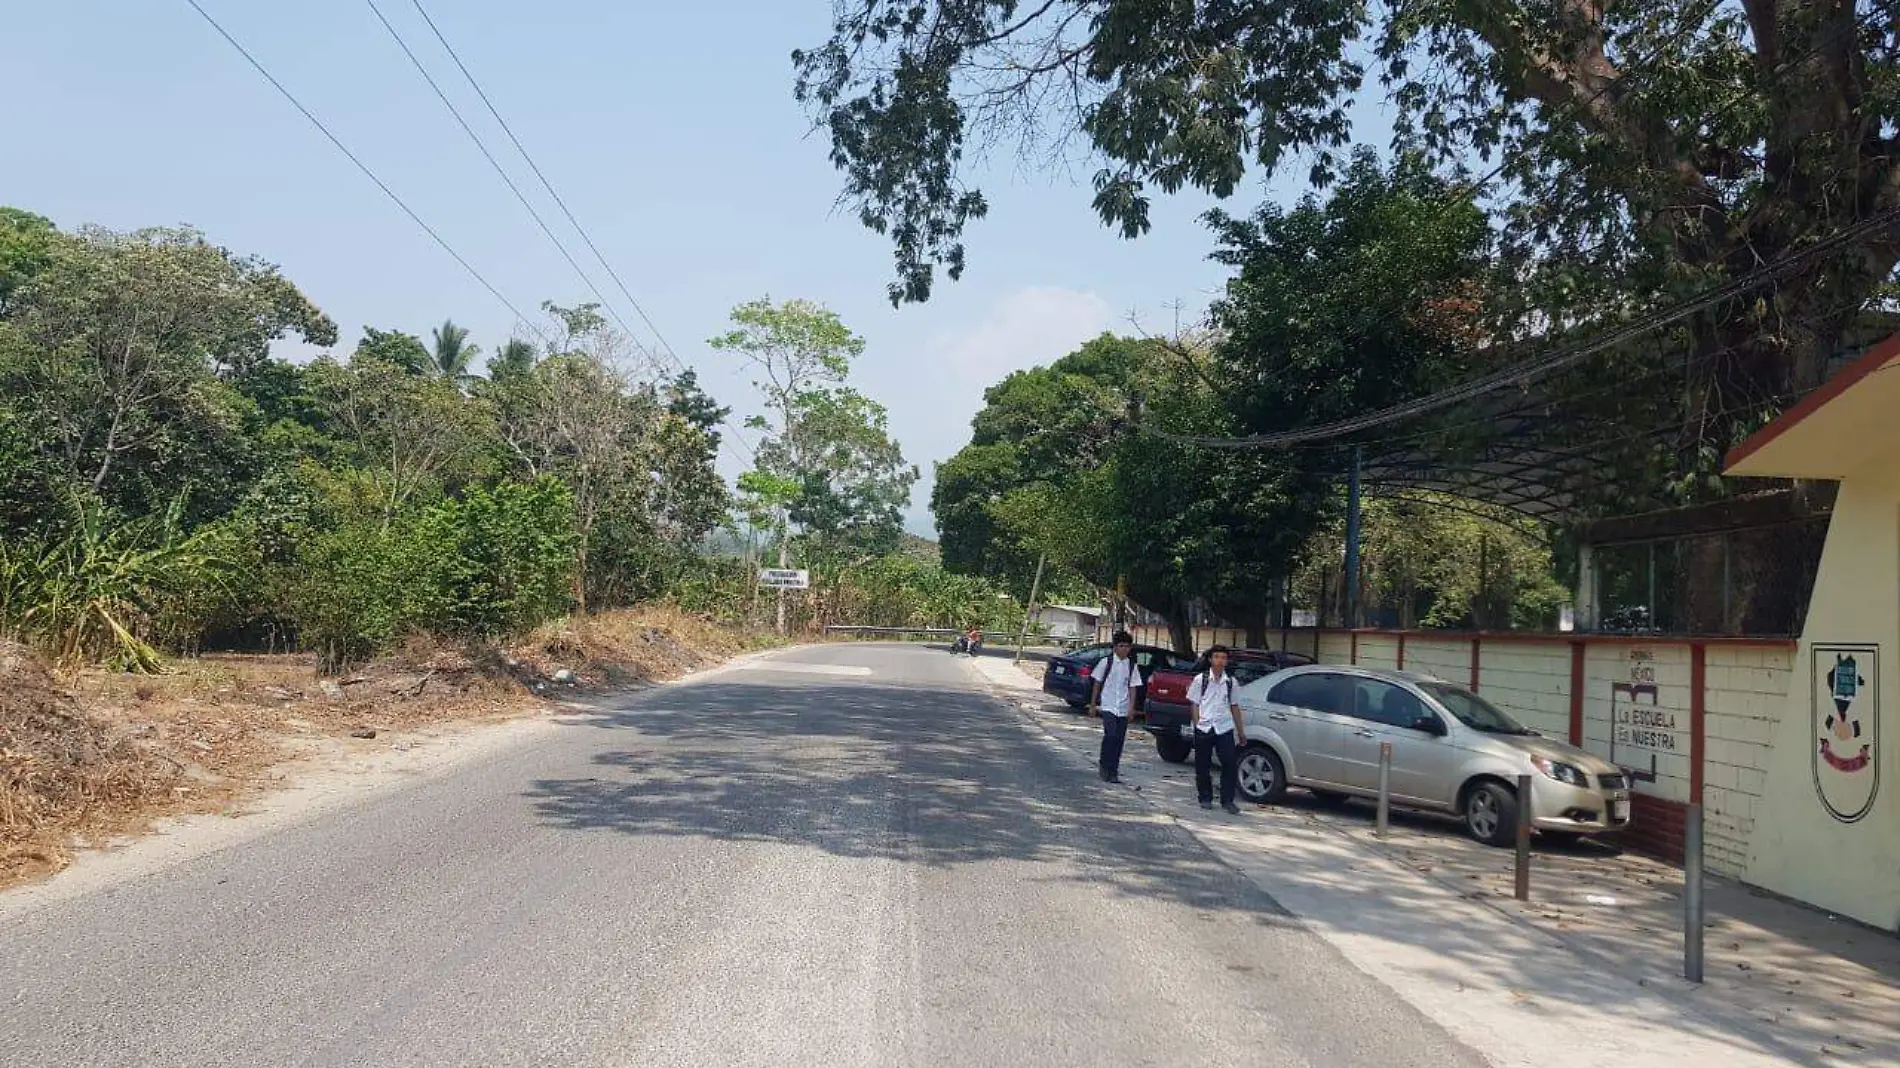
(1387, 674)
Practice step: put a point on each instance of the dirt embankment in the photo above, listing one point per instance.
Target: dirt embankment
(89, 757)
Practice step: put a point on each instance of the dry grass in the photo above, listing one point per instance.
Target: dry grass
(95, 756)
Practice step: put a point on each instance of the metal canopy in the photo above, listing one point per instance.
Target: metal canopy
(1539, 457)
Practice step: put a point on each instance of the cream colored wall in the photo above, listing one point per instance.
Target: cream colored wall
(1305, 642)
(1530, 680)
(1797, 847)
(1334, 647)
(1446, 658)
(1378, 650)
(1748, 688)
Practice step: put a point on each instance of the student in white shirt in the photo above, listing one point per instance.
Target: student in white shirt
(1117, 692)
(1218, 727)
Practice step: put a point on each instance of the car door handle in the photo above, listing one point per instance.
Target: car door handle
(1367, 734)
(1277, 717)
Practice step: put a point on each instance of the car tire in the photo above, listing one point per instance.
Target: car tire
(1491, 813)
(1261, 776)
(1328, 797)
(1173, 748)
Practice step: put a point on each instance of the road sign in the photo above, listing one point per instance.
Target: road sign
(784, 578)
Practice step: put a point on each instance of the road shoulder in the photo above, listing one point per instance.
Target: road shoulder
(329, 775)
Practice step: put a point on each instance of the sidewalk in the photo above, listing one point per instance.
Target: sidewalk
(1588, 972)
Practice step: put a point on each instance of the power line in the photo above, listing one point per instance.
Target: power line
(482, 147)
(545, 183)
(554, 194)
(361, 166)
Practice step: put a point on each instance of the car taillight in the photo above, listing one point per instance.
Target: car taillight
(1084, 670)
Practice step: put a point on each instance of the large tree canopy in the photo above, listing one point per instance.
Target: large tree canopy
(1051, 469)
(1646, 147)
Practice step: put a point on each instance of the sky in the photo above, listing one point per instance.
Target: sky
(669, 130)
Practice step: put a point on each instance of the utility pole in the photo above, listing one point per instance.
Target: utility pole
(1035, 587)
(782, 561)
(1352, 543)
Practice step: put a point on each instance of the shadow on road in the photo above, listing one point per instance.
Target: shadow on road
(943, 777)
(889, 771)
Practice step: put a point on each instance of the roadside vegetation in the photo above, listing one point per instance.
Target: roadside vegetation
(209, 550)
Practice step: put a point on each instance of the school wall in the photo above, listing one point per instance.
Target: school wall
(1727, 723)
(1635, 703)
(1846, 861)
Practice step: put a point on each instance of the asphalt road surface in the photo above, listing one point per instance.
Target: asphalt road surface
(848, 855)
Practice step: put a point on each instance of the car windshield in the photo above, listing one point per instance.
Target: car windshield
(1474, 711)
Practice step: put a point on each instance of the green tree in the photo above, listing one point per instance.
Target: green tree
(1432, 561)
(579, 415)
(393, 348)
(1647, 148)
(452, 352)
(974, 539)
(690, 498)
(685, 399)
(827, 463)
(26, 248)
(109, 357)
(1329, 311)
(410, 436)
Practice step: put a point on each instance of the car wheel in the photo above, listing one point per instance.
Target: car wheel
(1328, 797)
(1173, 748)
(1261, 776)
(1491, 814)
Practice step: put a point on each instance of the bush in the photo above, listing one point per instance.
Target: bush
(348, 591)
(496, 562)
(500, 562)
(716, 586)
(99, 589)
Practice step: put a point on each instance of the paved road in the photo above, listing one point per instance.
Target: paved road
(845, 856)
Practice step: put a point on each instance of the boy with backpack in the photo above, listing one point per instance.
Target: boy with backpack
(1117, 692)
(1218, 728)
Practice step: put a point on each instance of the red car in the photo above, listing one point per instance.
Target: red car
(1167, 704)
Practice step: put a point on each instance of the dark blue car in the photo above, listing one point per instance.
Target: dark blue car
(1071, 676)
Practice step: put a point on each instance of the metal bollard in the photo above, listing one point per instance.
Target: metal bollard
(1523, 837)
(1692, 894)
(1385, 788)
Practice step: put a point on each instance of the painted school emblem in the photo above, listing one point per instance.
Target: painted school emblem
(1847, 729)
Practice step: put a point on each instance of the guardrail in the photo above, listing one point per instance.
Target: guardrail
(990, 637)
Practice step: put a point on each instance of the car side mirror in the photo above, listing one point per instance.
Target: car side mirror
(1430, 724)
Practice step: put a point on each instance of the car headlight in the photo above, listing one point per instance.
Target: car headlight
(1567, 774)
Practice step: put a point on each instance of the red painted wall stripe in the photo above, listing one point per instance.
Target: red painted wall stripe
(1698, 709)
(1576, 693)
(1476, 644)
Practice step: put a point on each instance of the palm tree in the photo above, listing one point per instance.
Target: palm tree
(515, 359)
(453, 353)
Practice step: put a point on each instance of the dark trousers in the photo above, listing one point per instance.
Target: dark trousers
(1114, 733)
(1206, 744)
